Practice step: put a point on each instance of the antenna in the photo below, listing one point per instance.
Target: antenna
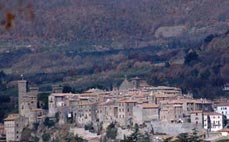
(22, 77)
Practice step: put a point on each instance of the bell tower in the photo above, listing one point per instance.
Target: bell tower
(22, 89)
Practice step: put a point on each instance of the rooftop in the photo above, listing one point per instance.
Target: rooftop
(222, 104)
(164, 95)
(197, 111)
(127, 101)
(149, 105)
(12, 117)
(212, 113)
(224, 130)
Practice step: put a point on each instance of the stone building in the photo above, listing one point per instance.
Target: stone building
(145, 113)
(133, 83)
(165, 90)
(107, 111)
(57, 101)
(85, 113)
(125, 110)
(157, 98)
(27, 100)
(2, 133)
(171, 113)
(14, 125)
(197, 118)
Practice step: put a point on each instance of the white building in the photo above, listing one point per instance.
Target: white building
(213, 121)
(223, 108)
(226, 87)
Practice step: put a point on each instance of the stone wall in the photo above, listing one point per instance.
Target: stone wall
(171, 128)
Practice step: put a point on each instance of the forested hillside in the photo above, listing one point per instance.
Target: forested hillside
(89, 43)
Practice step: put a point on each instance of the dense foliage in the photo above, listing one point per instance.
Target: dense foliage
(111, 131)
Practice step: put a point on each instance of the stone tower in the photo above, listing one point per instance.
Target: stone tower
(22, 90)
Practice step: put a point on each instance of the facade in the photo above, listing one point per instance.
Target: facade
(213, 121)
(84, 113)
(14, 125)
(107, 111)
(226, 87)
(133, 83)
(166, 90)
(171, 113)
(2, 133)
(27, 100)
(28, 112)
(57, 101)
(125, 110)
(145, 113)
(197, 118)
(223, 108)
(157, 98)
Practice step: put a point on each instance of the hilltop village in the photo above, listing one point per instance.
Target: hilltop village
(157, 112)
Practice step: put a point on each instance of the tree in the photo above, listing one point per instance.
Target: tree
(223, 140)
(46, 137)
(49, 123)
(193, 137)
(57, 116)
(68, 89)
(111, 131)
(136, 136)
(43, 100)
(191, 57)
(89, 127)
(72, 138)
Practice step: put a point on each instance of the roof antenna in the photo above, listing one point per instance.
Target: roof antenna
(22, 77)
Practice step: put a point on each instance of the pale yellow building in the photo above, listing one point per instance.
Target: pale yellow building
(14, 125)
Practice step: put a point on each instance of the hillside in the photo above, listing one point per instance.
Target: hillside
(111, 23)
(88, 43)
